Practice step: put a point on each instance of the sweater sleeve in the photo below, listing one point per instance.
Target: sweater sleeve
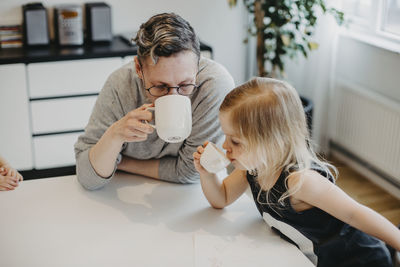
(106, 111)
(215, 83)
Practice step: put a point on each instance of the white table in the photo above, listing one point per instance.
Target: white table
(133, 221)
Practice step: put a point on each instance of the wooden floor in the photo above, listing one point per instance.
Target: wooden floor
(367, 193)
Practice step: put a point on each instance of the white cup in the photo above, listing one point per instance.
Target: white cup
(173, 118)
(213, 159)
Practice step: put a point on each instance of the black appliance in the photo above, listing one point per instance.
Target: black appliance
(98, 22)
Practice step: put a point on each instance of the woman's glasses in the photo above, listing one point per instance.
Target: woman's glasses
(161, 90)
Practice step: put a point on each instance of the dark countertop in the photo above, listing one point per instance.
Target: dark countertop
(117, 48)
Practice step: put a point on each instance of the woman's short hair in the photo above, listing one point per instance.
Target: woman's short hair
(164, 35)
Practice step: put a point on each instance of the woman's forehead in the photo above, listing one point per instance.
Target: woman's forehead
(182, 60)
(172, 70)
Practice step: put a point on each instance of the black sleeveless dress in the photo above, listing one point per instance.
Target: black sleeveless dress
(325, 240)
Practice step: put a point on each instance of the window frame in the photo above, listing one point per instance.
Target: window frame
(371, 30)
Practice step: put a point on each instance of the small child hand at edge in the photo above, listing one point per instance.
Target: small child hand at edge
(9, 179)
(10, 171)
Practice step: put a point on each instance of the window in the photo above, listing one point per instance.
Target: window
(360, 10)
(391, 23)
(374, 21)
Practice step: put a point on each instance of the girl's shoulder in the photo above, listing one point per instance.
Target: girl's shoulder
(300, 178)
(315, 172)
(306, 187)
(309, 186)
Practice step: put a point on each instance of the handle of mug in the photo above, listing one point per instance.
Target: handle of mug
(144, 121)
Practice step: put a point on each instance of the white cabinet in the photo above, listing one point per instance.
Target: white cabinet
(44, 107)
(62, 96)
(15, 134)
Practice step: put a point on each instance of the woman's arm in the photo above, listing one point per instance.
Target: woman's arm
(319, 192)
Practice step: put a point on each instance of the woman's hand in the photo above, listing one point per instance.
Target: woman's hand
(196, 157)
(131, 127)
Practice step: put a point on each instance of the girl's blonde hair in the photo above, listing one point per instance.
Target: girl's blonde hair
(269, 118)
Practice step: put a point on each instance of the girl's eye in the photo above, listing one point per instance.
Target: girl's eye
(235, 143)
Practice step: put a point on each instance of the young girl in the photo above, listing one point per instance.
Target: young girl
(267, 142)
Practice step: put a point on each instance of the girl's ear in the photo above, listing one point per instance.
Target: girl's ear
(138, 67)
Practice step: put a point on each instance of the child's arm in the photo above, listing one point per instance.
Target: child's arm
(319, 192)
(220, 194)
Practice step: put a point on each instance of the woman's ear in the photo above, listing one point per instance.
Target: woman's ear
(138, 67)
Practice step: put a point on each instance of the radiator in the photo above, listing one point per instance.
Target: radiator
(367, 125)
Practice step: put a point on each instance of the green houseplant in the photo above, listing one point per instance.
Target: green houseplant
(283, 28)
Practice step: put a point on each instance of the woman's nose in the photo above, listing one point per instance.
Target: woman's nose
(173, 91)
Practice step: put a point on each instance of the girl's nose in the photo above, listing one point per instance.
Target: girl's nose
(225, 145)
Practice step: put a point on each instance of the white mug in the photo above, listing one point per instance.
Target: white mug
(213, 159)
(173, 118)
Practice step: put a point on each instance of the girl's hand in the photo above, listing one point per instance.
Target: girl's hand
(196, 157)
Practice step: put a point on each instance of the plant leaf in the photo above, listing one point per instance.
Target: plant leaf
(313, 45)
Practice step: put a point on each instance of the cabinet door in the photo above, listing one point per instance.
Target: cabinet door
(57, 150)
(63, 114)
(72, 77)
(15, 134)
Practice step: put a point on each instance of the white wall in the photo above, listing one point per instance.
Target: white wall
(216, 24)
(369, 66)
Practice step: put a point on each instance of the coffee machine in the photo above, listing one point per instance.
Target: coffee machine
(68, 25)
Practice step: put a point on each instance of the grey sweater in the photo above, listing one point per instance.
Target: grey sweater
(123, 92)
